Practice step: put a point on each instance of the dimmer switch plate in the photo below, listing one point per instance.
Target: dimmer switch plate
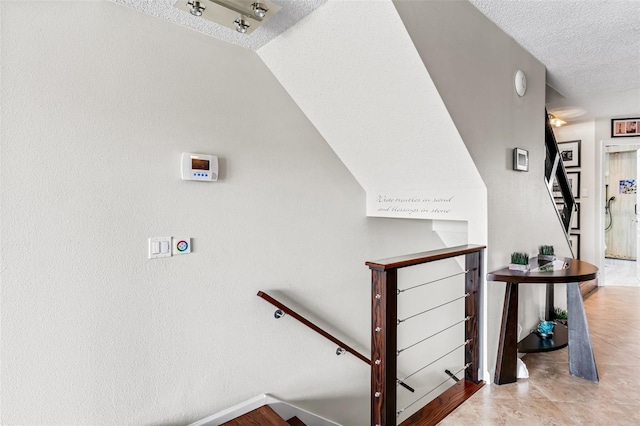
(159, 247)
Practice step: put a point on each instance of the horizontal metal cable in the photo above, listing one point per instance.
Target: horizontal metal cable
(435, 307)
(431, 282)
(435, 360)
(448, 378)
(434, 334)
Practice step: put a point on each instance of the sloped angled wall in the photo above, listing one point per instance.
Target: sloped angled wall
(359, 79)
(473, 64)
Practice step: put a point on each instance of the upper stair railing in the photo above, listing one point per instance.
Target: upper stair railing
(557, 181)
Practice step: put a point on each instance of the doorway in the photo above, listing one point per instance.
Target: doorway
(620, 223)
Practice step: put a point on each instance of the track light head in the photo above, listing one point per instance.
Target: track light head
(196, 7)
(259, 10)
(241, 25)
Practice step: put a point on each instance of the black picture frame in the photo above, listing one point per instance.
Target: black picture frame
(575, 219)
(625, 127)
(574, 183)
(574, 242)
(570, 153)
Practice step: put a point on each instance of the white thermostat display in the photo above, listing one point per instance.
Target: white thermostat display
(199, 167)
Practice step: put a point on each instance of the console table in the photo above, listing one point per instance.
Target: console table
(581, 360)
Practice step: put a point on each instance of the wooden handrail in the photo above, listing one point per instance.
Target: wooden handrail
(323, 333)
(312, 326)
(424, 257)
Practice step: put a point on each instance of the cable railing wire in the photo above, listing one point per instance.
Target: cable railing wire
(434, 281)
(434, 334)
(435, 360)
(435, 307)
(448, 378)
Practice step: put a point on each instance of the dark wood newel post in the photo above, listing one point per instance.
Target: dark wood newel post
(474, 263)
(383, 346)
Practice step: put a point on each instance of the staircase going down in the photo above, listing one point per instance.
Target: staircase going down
(263, 416)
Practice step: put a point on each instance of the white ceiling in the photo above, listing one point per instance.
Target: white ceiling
(591, 48)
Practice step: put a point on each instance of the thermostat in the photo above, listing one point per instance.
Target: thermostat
(199, 167)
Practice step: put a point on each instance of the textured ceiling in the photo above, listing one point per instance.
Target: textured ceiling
(292, 11)
(591, 48)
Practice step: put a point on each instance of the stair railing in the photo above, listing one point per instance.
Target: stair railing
(342, 347)
(286, 310)
(558, 182)
(384, 345)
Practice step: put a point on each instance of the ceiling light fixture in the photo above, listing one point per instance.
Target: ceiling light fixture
(243, 16)
(259, 10)
(241, 25)
(555, 121)
(196, 8)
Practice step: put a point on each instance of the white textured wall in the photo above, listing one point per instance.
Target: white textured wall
(473, 64)
(98, 102)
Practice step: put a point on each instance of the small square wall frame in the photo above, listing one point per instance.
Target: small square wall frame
(520, 160)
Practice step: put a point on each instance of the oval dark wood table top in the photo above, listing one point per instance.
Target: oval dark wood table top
(576, 271)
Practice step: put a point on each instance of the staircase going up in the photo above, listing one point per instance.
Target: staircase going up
(558, 183)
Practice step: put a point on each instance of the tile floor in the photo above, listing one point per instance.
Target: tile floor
(551, 396)
(620, 272)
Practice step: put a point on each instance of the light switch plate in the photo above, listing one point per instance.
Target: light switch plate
(159, 247)
(181, 246)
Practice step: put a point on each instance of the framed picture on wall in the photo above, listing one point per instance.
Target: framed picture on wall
(575, 219)
(628, 186)
(574, 241)
(625, 127)
(570, 153)
(574, 183)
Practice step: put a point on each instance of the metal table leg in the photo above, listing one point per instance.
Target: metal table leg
(581, 360)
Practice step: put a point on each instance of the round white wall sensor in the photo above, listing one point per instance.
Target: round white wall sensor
(521, 83)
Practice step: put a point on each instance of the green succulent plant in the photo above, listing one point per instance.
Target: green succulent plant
(559, 313)
(518, 258)
(546, 250)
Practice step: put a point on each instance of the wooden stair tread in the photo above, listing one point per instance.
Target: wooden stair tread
(294, 421)
(263, 416)
(435, 411)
